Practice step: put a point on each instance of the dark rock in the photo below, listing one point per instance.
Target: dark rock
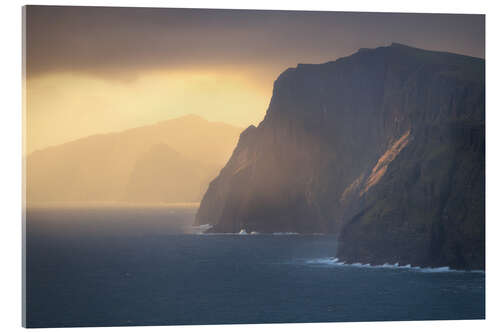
(385, 146)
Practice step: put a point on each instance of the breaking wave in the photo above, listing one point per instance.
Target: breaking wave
(337, 262)
(243, 232)
(200, 229)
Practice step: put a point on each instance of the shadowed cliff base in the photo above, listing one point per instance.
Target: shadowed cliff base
(385, 147)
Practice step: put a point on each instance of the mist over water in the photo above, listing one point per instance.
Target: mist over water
(108, 220)
(109, 266)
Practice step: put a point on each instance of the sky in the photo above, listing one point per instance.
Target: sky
(93, 70)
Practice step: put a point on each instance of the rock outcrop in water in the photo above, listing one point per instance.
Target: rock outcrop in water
(385, 146)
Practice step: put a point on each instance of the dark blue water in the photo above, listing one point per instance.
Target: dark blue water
(109, 267)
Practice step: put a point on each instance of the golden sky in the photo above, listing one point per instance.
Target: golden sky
(66, 106)
(99, 69)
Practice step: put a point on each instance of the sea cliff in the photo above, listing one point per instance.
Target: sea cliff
(385, 147)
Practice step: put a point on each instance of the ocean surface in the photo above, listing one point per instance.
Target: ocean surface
(148, 266)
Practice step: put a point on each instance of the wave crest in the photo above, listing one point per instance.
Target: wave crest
(337, 262)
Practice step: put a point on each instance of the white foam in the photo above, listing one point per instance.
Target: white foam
(227, 234)
(327, 261)
(244, 232)
(436, 269)
(337, 262)
(200, 229)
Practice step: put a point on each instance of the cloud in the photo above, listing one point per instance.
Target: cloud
(118, 41)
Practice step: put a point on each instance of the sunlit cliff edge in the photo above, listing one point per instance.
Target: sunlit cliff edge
(385, 147)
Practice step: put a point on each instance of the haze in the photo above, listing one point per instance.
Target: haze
(169, 162)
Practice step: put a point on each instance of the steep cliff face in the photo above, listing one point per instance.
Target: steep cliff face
(428, 208)
(384, 145)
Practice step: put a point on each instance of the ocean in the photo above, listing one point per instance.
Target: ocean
(119, 266)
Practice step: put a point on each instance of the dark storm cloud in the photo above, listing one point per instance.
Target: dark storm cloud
(103, 39)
